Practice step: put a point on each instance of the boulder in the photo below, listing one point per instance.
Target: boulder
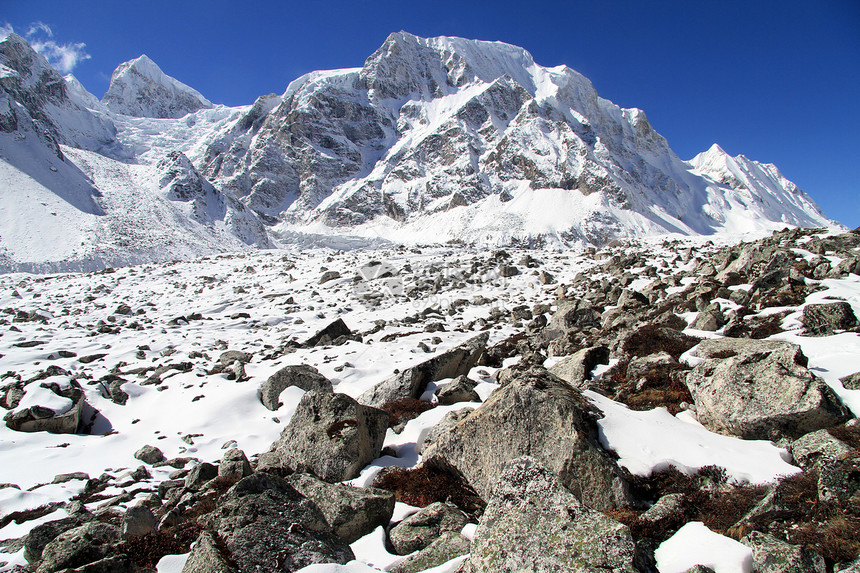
(330, 333)
(533, 523)
(572, 315)
(329, 276)
(352, 512)
(449, 420)
(75, 420)
(138, 521)
(412, 382)
(206, 557)
(149, 454)
(420, 529)
(234, 464)
(444, 548)
(269, 527)
(539, 415)
(839, 480)
(576, 368)
(331, 436)
(757, 390)
(461, 389)
(302, 376)
(851, 382)
(826, 318)
(200, 474)
(818, 446)
(44, 533)
(772, 555)
(80, 546)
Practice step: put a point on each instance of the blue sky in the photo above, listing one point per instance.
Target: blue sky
(777, 81)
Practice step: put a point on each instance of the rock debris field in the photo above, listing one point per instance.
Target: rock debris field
(655, 405)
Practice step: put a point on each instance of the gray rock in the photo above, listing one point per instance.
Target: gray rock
(234, 464)
(760, 391)
(138, 521)
(851, 382)
(533, 523)
(665, 507)
(420, 529)
(412, 382)
(810, 449)
(352, 512)
(113, 564)
(230, 356)
(303, 376)
(44, 533)
(332, 436)
(709, 320)
(444, 548)
(82, 545)
(329, 276)
(839, 480)
(76, 420)
(200, 475)
(826, 318)
(539, 415)
(206, 557)
(461, 389)
(508, 271)
(269, 527)
(330, 333)
(576, 368)
(149, 455)
(572, 315)
(772, 555)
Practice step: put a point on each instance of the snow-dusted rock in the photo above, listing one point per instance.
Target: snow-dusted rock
(302, 376)
(824, 319)
(420, 529)
(772, 555)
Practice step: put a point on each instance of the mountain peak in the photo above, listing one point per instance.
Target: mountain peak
(139, 88)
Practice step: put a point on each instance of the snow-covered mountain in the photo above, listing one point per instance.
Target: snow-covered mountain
(431, 140)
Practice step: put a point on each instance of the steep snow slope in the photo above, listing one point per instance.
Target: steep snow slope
(139, 88)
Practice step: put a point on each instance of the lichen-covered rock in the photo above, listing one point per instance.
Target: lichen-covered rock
(817, 446)
(420, 529)
(352, 512)
(412, 382)
(447, 546)
(302, 376)
(80, 546)
(269, 527)
(331, 436)
(532, 523)
(448, 421)
(206, 557)
(840, 479)
(772, 555)
(757, 390)
(538, 415)
(826, 318)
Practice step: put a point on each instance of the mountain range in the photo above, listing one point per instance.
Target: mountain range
(432, 140)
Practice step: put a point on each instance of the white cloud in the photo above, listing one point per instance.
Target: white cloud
(63, 57)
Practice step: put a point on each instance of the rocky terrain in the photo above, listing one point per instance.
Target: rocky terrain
(649, 405)
(431, 140)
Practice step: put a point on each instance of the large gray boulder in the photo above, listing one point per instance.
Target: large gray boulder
(269, 527)
(826, 318)
(75, 420)
(817, 447)
(234, 465)
(352, 512)
(331, 436)
(80, 546)
(760, 390)
(772, 555)
(420, 529)
(302, 376)
(533, 523)
(411, 382)
(461, 389)
(206, 557)
(539, 415)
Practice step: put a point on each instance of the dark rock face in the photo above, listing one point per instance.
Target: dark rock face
(412, 382)
(537, 415)
(269, 527)
(303, 376)
(825, 319)
(533, 523)
(330, 333)
(760, 390)
(331, 436)
(80, 546)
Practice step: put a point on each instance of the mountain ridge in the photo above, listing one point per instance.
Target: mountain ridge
(431, 140)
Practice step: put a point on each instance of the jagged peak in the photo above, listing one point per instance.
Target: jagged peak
(140, 88)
